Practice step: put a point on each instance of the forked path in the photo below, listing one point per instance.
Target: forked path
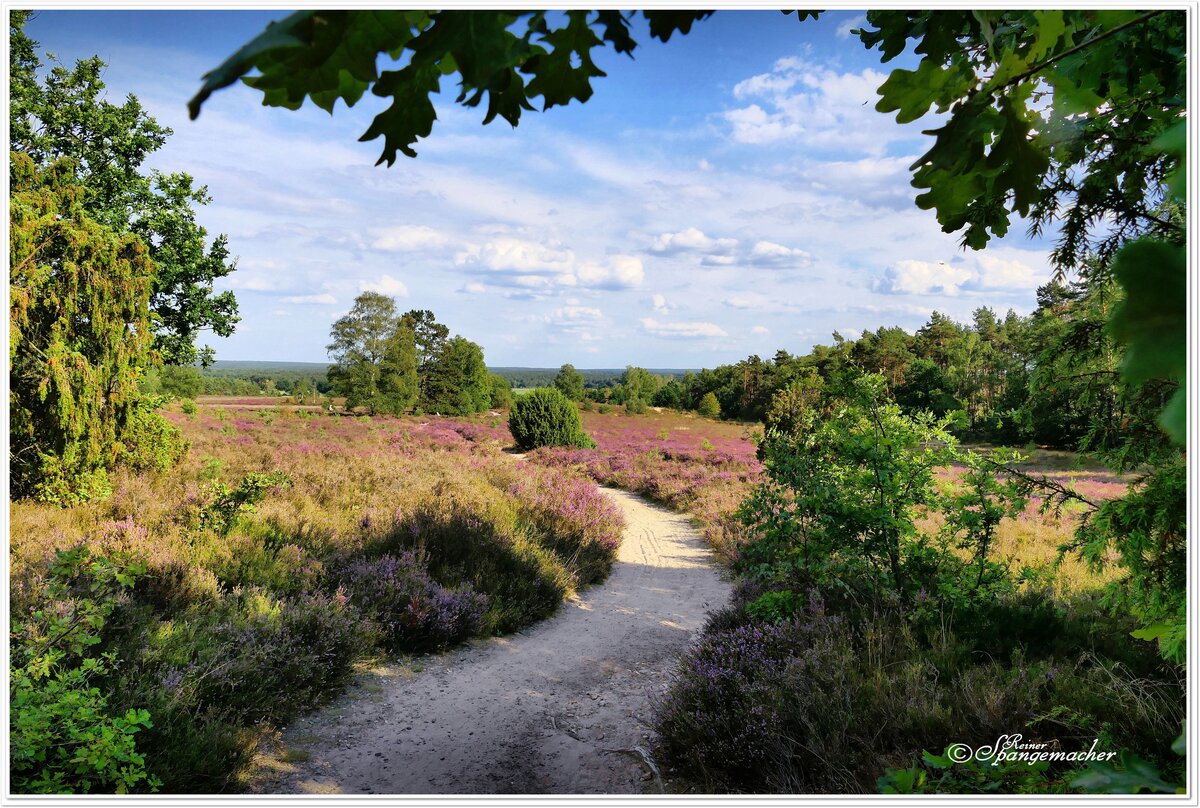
(548, 710)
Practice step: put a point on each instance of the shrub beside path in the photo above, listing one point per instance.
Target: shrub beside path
(558, 708)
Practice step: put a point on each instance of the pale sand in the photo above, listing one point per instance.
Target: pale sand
(547, 710)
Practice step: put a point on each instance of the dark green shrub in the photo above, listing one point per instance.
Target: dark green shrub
(817, 704)
(546, 417)
(414, 612)
(635, 406)
(215, 671)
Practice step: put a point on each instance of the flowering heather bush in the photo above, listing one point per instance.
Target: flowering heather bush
(814, 704)
(702, 467)
(414, 612)
(575, 520)
(241, 622)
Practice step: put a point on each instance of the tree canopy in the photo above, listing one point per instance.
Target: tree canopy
(66, 115)
(374, 357)
(330, 55)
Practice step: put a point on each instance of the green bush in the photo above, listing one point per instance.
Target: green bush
(149, 442)
(230, 504)
(709, 407)
(546, 417)
(64, 737)
(188, 406)
(635, 406)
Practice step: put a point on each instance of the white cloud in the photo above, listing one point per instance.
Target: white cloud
(1004, 269)
(323, 299)
(766, 83)
(684, 330)
(505, 254)
(406, 238)
(815, 104)
(747, 301)
(473, 289)
(760, 329)
(995, 272)
(923, 278)
(573, 315)
(385, 285)
(770, 254)
(621, 272)
(692, 240)
(528, 264)
(659, 303)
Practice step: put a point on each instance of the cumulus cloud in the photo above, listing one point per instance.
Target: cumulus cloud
(923, 278)
(408, 238)
(322, 299)
(385, 285)
(682, 330)
(800, 99)
(770, 254)
(691, 240)
(995, 272)
(659, 303)
(509, 254)
(1001, 270)
(473, 289)
(533, 265)
(621, 272)
(570, 315)
(760, 329)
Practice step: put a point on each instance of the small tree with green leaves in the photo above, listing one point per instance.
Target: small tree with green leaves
(501, 396)
(570, 382)
(374, 357)
(841, 501)
(709, 407)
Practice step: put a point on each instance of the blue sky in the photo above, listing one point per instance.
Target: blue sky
(730, 192)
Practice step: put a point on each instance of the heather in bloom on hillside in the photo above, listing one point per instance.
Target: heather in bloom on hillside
(357, 537)
(702, 467)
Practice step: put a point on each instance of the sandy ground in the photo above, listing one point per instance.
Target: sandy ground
(558, 708)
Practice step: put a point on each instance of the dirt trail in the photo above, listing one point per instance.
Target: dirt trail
(536, 712)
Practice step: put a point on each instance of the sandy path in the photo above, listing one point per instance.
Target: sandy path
(535, 712)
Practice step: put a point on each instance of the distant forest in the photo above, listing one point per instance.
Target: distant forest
(230, 377)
